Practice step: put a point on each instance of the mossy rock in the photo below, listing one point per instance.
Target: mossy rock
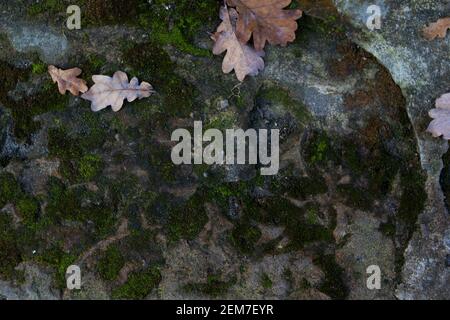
(139, 285)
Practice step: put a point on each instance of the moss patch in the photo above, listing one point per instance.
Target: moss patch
(110, 263)
(214, 286)
(333, 285)
(139, 285)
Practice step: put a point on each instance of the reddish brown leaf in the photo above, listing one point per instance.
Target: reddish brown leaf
(437, 29)
(266, 21)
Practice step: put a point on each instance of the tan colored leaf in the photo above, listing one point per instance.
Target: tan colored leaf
(437, 29)
(113, 91)
(266, 21)
(67, 80)
(240, 57)
(440, 126)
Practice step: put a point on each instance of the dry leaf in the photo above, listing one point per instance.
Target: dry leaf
(440, 126)
(67, 80)
(437, 29)
(113, 91)
(240, 57)
(266, 21)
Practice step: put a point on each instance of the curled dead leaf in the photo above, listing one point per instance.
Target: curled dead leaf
(266, 20)
(67, 80)
(437, 29)
(112, 91)
(440, 126)
(240, 57)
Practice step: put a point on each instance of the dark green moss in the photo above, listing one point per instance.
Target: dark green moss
(70, 204)
(186, 221)
(356, 197)
(29, 209)
(110, 263)
(139, 285)
(76, 164)
(244, 237)
(214, 287)
(47, 6)
(333, 285)
(90, 166)
(266, 282)
(60, 260)
(318, 149)
(10, 190)
(10, 254)
(152, 63)
(25, 109)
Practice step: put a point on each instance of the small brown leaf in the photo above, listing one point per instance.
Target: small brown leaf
(437, 29)
(240, 57)
(266, 21)
(113, 91)
(67, 80)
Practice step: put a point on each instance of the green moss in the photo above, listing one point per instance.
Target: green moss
(152, 63)
(333, 284)
(90, 166)
(186, 221)
(79, 204)
(214, 286)
(173, 22)
(60, 260)
(177, 22)
(110, 263)
(319, 149)
(10, 190)
(24, 110)
(28, 208)
(244, 237)
(356, 197)
(10, 254)
(47, 6)
(275, 95)
(94, 131)
(139, 285)
(266, 282)
(159, 157)
(38, 68)
(76, 164)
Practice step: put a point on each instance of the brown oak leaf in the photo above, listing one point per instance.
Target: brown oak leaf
(112, 91)
(240, 56)
(266, 21)
(67, 80)
(437, 29)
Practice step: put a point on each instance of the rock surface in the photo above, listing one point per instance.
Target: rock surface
(360, 183)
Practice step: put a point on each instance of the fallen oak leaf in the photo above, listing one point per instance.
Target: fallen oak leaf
(67, 80)
(266, 20)
(437, 29)
(112, 91)
(440, 126)
(240, 57)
